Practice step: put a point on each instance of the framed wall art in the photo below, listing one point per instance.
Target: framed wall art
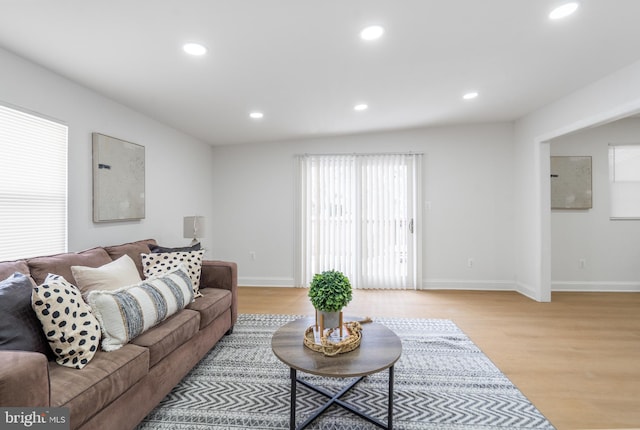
(571, 183)
(118, 179)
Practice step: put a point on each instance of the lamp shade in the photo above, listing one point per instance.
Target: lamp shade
(193, 227)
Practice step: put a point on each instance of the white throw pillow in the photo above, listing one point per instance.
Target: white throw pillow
(111, 276)
(156, 264)
(70, 327)
(128, 312)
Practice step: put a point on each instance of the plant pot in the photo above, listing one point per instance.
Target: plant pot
(330, 319)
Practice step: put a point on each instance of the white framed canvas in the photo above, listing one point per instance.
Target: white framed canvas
(571, 183)
(118, 179)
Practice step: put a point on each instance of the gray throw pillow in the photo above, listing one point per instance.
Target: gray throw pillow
(20, 328)
(161, 249)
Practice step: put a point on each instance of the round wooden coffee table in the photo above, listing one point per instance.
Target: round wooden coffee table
(379, 349)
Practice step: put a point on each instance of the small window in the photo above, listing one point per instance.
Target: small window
(624, 179)
(33, 185)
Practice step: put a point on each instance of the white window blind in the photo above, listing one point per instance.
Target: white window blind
(33, 185)
(624, 180)
(357, 214)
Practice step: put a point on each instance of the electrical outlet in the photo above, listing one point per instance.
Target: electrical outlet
(582, 263)
(470, 263)
(252, 254)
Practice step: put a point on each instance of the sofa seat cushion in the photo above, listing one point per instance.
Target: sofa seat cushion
(164, 338)
(213, 303)
(107, 376)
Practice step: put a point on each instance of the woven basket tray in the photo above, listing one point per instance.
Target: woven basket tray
(331, 348)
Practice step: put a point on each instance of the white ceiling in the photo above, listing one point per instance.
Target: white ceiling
(302, 63)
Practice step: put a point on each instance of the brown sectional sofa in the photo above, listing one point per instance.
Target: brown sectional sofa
(117, 389)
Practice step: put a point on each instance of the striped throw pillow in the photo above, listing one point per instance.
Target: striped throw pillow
(128, 312)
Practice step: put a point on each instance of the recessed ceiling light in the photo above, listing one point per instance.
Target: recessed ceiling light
(256, 115)
(194, 49)
(471, 95)
(563, 11)
(372, 32)
(361, 107)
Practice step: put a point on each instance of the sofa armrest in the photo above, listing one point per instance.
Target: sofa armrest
(224, 275)
(24, 379)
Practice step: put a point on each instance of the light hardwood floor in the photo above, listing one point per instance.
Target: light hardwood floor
(577, 358)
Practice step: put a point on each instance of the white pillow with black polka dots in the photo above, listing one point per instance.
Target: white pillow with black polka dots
(157, 264)
(72, 330)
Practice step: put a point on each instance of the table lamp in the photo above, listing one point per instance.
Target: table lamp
(193, 228)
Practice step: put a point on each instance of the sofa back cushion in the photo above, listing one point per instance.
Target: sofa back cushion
(60, 264)
(133, 250)
(8, 268)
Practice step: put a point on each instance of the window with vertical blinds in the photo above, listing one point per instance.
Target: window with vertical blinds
(33, 185)
(357, 215)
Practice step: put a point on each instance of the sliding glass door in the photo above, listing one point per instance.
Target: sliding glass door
(358, 214)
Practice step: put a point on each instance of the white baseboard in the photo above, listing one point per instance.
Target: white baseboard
(427, 284)
(600, 286)
(265, 282)
(463, 284)
(477, 285)
(527, 291)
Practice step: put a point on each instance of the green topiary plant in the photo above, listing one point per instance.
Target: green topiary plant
(330, 291)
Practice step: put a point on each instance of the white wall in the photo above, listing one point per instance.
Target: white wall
(610, 98)
(248, 194)
(467, 178)
(178, 167)
(610, 249)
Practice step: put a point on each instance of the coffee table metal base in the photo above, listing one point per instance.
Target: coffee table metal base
(335, 399)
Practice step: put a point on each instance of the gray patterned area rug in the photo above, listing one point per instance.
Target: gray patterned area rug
(442, 381)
